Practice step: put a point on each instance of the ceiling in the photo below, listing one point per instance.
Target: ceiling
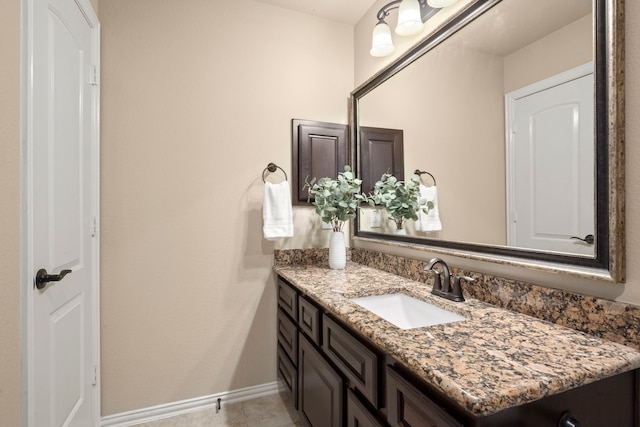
(516, 24)
(347, 11)
(533, 22)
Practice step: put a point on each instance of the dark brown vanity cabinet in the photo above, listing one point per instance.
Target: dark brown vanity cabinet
(354, 359)
(407, 406)
(309, 322)
(288, 299)
(317, 388)
(613, 401)
(358, 415)
(288, 372)
(288, 337)
(320, 388)
(327, 360)
(337, 377)
(287, 353)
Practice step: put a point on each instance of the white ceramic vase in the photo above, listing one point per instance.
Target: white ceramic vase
(400, 230)
(337, 251)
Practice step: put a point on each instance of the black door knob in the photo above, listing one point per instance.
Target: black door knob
(588, 239)
(42, 278)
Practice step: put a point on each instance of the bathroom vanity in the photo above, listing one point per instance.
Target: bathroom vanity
(345, 365)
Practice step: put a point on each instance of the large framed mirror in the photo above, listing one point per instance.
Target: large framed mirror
(515, 110)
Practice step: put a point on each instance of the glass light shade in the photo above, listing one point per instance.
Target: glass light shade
(409, 18)
(381, 43)
(436, 4)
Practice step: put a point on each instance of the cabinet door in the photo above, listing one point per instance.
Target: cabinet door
(320, 388)
(358, 363)
(410, 407)
(357, 413)
(319, 149)
(381, 151)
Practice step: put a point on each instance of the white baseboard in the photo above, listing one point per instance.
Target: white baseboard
(145, 415)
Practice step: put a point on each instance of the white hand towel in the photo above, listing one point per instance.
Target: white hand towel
(428, 221)
(276, 211)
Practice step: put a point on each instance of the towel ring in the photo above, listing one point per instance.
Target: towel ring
(420, 173)
(272, 167)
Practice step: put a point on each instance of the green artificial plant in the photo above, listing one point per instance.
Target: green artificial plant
(336, 200)
(401, 199)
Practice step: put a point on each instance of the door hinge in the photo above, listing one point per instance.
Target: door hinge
(95, 375)
(94, 226)
(95, 77)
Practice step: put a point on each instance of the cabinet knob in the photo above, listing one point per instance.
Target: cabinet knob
(568, 420)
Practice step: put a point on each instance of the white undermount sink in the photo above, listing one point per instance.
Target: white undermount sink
(406, 312)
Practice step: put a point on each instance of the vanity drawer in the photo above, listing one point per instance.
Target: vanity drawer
(289, 375)
(288, 299)
(356, 360)
(408, 406)
(309, 320)
(357, 413)
(288, 336)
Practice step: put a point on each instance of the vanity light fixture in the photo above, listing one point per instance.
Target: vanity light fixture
(440, 3)
(411, 17)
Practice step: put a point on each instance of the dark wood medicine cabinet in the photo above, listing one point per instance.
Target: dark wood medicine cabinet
(381, 151)
(321, 149)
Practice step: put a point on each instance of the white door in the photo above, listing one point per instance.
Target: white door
(551, 164)
(61, 128)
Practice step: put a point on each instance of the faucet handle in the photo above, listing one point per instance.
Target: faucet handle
(437, 282)
(457, 286)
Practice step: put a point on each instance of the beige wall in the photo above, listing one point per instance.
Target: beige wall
(561, 50)
(197, 98)
(10, 213)
(366, 66)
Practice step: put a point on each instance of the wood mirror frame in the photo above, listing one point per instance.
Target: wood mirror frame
(609, 260)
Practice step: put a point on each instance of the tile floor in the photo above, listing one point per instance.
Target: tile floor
(275, 410)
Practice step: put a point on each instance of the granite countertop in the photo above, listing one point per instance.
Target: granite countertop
(495, 360)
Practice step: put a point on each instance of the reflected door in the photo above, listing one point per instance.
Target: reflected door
(550, 165)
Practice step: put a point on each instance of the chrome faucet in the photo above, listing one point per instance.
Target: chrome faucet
(442, 281)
